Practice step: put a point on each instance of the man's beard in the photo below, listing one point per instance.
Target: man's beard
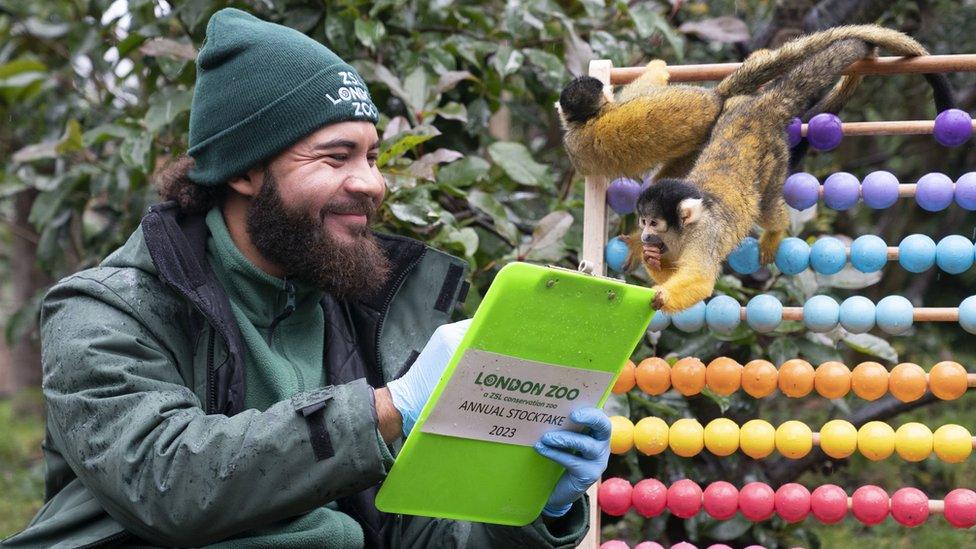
(304, 248)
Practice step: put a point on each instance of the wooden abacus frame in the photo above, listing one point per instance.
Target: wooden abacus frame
(595, 200)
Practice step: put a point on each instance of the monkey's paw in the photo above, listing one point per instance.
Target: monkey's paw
(660, 298)
(768, 246)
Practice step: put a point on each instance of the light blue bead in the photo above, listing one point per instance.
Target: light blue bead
(616, 254)
(764, 313)
(722, 314)
(659, 321)
(793, 256)
(691, 319)
(954, 254)
(820, 313)
(857, 314)
(828, 255)
(916, 253)
(869, 253)
(744, 259)
(967, 314)
(894, 314)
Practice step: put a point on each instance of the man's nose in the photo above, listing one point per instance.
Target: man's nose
(370, 183)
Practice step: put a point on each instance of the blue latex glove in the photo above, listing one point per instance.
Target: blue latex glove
(584, 455)
(411, 391)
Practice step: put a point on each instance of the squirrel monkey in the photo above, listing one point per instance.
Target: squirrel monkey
(689, 226)
(651, 124)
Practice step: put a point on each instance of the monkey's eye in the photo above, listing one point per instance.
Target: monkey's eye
(654, 223)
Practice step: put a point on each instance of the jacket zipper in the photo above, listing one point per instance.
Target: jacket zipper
(106, 541)
(289, 309)
(386, 305)
(211, 376)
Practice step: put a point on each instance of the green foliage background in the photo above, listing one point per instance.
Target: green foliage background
(94, 99)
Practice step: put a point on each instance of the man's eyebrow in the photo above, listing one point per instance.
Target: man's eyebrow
(342, 143)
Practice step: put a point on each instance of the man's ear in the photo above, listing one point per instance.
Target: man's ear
(690, 210)
(249, 183)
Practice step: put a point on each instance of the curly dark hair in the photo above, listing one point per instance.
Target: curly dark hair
(172, 182)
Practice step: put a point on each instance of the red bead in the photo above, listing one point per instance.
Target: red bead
(910, 506)
(650, 497)
(756, 501)
(684, 498)
(721, 500)
(614, 496)
(870, 504)
(614, 544)
(960, 508)
(829, 503)
(792, 502)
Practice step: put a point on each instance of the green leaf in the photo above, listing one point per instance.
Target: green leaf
(105, 132)
(453, 111)
(369, 32)
(723, 402)
(423, 167)
(466, 239)
(415, 84)
(164, 106)
(23, 320)
(518, 163)
(464, 172)
(553, 73)
(491, 206)
(71, 140)
(450, 79)
(871, 345)
(549, 234)
(403, 142)
(135, 151)
(507, 61)
(647, 20)
(169, 48)
(411, 213)
(782, 349)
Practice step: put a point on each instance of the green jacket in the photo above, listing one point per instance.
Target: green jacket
(148, 441)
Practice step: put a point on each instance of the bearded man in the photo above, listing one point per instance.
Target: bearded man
(242, 371)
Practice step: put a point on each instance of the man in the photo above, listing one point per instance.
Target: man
(233, 375)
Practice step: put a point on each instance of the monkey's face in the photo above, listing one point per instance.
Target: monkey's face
(666, 210)
(582, 100)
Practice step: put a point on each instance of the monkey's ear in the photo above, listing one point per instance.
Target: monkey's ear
(690, 210)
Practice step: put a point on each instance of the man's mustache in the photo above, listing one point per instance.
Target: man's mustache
(349, 207)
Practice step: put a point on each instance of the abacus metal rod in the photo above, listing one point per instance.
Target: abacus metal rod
(880, 65)
(921, 314)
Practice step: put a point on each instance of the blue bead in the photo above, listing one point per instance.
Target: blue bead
(793, 256)
(857, 314)
(722, 314)
(894, 314)
(954, 254)
(616, 254)
(879, 190)
(764, 313)
(916, 253)
(869, 253)
(820, 313)
(691, 319)
(744, 259)
(659, 321)
(801, 190)
(934, 192)
(967, 314)
(828, 255)
(841, 191)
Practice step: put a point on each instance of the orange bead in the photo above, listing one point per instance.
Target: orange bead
(796, 378)
(625, 381)
(723, 376)
(653, 375)
(948, 380)
(832, 380)
(688, 376)
(759, 378)
(869, 380)
(907, 382)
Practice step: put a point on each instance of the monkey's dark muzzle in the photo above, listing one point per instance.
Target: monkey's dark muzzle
(654, 242)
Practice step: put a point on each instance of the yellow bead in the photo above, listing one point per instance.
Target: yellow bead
(794, 439)
(838, 438)
(913, 441)
(686, 437)
(876, 440)
(952, 443)
(651, 435)
(757, 438)
(722, 436)
(621, 435)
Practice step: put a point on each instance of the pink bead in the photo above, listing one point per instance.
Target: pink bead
(792, 502)
(650, 497)
(684, 499)
(870, 504)
(614, 544)
(756, 501)
(614, 496)
(649, 545)
(960, 508)
(755, 547)
(910, 506)
(719, 546)
(829, 503)
(683, 545)
(721, 500)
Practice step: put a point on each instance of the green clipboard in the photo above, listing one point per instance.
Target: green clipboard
(531, 314)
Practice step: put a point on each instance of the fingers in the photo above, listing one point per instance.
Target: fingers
(595, 419)
(587, 446)
(569, 461)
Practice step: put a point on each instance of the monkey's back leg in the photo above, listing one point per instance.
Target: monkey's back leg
(774, 218)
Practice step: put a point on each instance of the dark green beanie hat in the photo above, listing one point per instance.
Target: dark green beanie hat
(260, 88)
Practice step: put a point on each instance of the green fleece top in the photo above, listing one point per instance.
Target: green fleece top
(283, 358)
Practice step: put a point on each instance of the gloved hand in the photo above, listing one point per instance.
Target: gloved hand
(584, 467)
(411, 391)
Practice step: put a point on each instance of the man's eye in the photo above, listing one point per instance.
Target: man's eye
(339, 157)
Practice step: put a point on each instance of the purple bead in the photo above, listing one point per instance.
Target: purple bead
(622, 195)
(966, 191)
(793, 136)
(801, 190)
(841, 190)
(953, 127)
(934, 192)
(824, 131)
(880, 190)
